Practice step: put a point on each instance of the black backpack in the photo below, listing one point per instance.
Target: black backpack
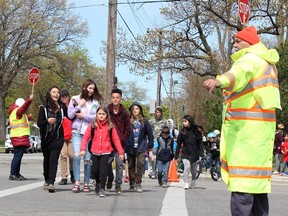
(165, 154)
(92, 136)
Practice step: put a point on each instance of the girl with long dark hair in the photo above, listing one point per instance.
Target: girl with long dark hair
(190, 142)
(49, 121)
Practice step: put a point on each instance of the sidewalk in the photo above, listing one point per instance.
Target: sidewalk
(274, 179)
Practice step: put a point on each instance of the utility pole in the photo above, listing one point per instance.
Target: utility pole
(158, 101)
(170, 93)
(111, 80)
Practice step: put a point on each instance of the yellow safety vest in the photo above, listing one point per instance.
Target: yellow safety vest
(249, 122)
(19, 127)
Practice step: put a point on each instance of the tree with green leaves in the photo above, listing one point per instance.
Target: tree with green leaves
(30, 29)
(283, 83)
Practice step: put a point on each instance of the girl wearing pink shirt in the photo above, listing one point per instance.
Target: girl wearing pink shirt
(101, 147)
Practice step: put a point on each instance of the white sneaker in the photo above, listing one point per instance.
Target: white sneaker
(186, 186)
(219, 179)
(275, 172)
(193, 184)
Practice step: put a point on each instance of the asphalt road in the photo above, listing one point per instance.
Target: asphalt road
(208, 198)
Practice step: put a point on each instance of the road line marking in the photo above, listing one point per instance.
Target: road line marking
(20, 189)
(174, 201)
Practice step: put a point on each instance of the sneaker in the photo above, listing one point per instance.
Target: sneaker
(45, 186)
(51, 188)
(102, 193)
(118, 189)
(193, 184)
(22, 178)
(139, 188)
(219, 179)
(109, 184)
(186, 186)
(132, 188)
(14, 178)
(97, 188)
(275, 172)
(63, 182)
(126, 180)
(164, 185)
(92, 182)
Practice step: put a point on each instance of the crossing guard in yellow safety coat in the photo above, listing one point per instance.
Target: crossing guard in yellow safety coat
(251, 95)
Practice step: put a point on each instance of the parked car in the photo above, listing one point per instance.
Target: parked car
(8, 146)
(36, 143)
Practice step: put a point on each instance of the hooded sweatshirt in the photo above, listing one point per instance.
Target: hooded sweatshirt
(89, 109)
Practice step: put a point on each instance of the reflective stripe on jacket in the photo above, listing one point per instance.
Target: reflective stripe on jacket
(19, 127)
(251, 94)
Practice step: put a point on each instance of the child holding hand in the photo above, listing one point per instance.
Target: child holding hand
(101, 147)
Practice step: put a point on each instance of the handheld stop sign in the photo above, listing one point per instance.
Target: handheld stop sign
(244, 11)
(33, 77)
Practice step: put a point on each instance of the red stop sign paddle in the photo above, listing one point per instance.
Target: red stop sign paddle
(34, 75)
(244, 11)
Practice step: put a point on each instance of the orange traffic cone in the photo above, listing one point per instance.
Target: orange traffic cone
(172, 174)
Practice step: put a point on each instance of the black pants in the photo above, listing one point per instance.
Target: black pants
(51, 149)
(100, 169)
(245, 204)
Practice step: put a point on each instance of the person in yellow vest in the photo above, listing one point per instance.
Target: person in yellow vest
(19, 134)
(251, 95)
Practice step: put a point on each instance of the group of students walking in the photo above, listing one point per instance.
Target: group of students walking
(80, 126)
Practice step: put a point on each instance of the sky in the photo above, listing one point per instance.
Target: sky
(138, 17)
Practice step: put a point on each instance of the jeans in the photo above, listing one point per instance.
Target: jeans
(163, 168)
(285, 163)
(76, 142)
(119, 170)
(16, 161)
(278, 160)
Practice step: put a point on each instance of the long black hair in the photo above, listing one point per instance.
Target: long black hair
(193, 127)
(49, 103)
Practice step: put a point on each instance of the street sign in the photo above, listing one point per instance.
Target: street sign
(33, 75)
(244, 11)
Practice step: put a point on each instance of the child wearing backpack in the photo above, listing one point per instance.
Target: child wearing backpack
(103, 137)
(163, 151)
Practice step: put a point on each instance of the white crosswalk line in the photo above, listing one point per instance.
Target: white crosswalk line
(20, 189)
(174, 201)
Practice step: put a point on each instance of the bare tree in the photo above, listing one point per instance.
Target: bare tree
(29, 29)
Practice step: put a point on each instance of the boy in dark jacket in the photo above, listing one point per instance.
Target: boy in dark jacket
(121, 120)
(163, 151)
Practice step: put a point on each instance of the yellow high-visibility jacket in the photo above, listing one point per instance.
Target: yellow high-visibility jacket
(19, 127)
(251, 95)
